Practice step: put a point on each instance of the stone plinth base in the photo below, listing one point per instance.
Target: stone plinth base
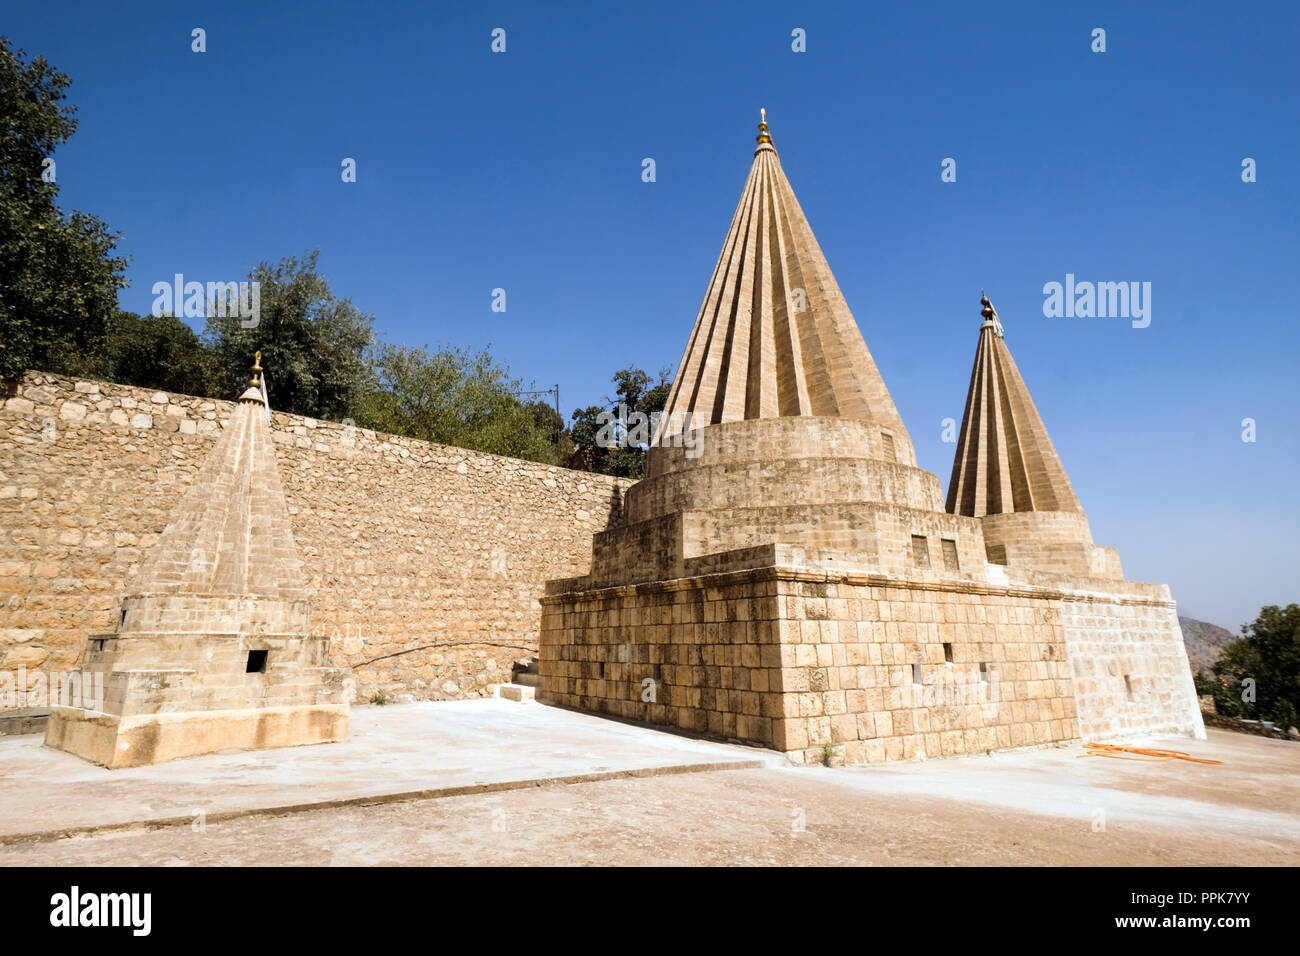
(137, 740)
(887, 667)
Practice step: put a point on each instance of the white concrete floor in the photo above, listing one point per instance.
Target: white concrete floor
(401, 749)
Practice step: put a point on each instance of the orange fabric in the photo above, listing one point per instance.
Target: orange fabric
(1141, 753)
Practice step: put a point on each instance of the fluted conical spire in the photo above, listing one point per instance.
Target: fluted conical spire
(1005, 460)
(774, 336)
(230, 534)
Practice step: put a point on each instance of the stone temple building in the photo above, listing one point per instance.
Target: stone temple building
(213, 649)
(789, 577)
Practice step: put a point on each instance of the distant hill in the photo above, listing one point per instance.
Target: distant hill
(1205, 642)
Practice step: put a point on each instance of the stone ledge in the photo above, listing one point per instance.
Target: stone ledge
(16, 722)
(783, 572)
(133, 741)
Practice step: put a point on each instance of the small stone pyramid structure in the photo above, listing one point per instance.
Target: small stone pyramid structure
(786, 575)
(214, 648)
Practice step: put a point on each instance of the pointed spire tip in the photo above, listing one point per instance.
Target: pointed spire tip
(990, 314)
(762, 128)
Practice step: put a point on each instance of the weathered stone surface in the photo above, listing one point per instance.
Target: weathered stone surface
(1005, 459)
(789, 577)
(774, 336)
(404, 553)
(213, 651)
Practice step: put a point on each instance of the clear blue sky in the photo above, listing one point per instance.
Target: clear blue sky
(523, 171)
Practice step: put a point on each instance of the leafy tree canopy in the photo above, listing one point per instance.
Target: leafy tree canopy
(58, 275)
(159, 352)
(635, 393)
(456, 397)
(314, 345)
(1267, 654)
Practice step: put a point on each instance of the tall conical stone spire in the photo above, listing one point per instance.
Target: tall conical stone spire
(774, 336)
(786, 530)
(230, 534)
(1005, 460)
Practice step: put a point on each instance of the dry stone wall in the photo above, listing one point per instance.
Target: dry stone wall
(426, 561)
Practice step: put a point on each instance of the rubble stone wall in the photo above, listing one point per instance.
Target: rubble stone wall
(426, 561)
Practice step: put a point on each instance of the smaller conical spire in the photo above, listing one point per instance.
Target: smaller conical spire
(1005, 459)
(230, 534)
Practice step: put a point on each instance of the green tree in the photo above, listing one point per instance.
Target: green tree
(159, 352)
(314, 346)
(630, 384)
(456, 397)
(58, 275)
(1268, 653)
(607, 446)
(654, 400)
(546, 418)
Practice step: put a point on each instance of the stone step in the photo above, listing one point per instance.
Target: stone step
(528, 679)
(16, 722)
(516, 692)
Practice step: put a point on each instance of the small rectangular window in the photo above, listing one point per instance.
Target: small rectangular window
(888, 441)
(1128, 686)
(984, 673)
(256, 663)
(916, 673)
(950, 554)
(920, 551)
(947, 653)
(997, 553)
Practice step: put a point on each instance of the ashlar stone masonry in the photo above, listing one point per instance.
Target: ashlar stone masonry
(800, 583)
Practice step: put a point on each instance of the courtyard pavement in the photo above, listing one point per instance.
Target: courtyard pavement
(529, 784)
(398, 752)
(1027, 808)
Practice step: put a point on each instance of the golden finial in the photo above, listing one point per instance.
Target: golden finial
(990, 314)
(254, 381)
(762, 128)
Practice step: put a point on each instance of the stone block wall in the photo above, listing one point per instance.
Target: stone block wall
(426, 561)
(911, 669)
(686, 654)
(1131, 672)
(889, 667)
(797, 660)
(1056, 542)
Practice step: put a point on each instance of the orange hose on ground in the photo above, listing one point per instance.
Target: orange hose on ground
(1141, 753)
